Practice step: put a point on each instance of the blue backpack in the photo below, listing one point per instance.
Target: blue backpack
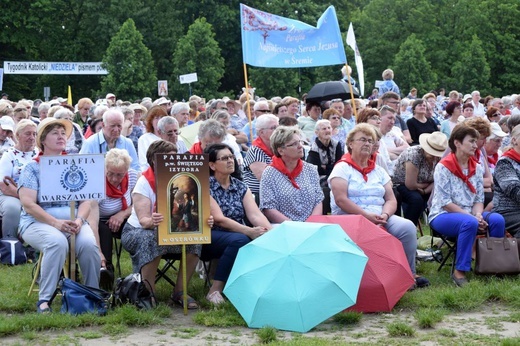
(12, 252)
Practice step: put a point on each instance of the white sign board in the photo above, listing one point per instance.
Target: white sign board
(378, 83)
(41, 67)
(72, 178)
(188, 78)
(1, 78)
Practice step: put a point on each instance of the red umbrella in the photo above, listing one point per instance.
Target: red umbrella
(387, 276)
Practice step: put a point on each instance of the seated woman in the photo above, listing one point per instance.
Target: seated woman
(361, 187)
(506, 199)
(231, 203)
(115, 209)
(259, 154)
(492, 146)
(289, 188)
(152, 134)
(11, 164)
(420, 123)
(75, 142)
(139, 235)
(46, 226)
(458, 199)
(413, 173)
(338, 132)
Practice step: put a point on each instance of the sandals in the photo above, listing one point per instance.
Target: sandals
(178, 298)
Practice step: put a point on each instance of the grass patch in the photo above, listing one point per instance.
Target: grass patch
(186, 333)
(266, 334)
(400, 329)
(428, 317)
(348, 318)
(224, 316)
(89, 335)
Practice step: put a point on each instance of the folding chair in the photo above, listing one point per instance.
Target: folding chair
(162, 272)
(451, 244)
(118, 248)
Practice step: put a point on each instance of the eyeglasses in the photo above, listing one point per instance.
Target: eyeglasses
(263, 110)
(375, 118)
(226, 158)
(334, 118)
(496, 115)
(365, 140)
(393, 102)
(336, 100)
(223, 108)
(386, 108)
(295, 144)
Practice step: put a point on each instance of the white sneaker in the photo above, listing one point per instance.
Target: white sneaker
(215, 298)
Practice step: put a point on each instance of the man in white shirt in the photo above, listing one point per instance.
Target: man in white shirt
(393, 142)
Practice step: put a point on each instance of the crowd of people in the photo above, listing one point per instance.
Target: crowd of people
(388, 158)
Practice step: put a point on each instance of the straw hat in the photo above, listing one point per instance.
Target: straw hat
(434, 143)
(67, 124)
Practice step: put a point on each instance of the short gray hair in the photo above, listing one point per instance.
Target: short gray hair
(213, 128)
(167, 120)
(113, 111)
(220, 114)
(44, 106)
(321, 122)
(260, 103)
(62, 113)
(281, 136)
(179, 107)
(263, 120)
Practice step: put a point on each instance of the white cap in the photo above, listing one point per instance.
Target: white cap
(7, 123)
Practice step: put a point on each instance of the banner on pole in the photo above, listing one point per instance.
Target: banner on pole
(42, 67)
(183, 198)
(351, 42)
(273, 41)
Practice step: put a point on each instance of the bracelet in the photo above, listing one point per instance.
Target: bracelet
(387, 215)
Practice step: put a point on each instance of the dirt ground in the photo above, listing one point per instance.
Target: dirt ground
(178, 329)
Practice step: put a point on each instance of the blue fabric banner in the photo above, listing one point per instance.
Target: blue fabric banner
(273, 41)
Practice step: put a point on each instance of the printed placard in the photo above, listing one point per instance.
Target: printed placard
(183, 198)
(72, 178)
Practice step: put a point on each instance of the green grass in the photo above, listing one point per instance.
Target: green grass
(427, 308)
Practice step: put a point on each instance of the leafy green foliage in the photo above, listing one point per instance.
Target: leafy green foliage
(199, 52)
(130, 65)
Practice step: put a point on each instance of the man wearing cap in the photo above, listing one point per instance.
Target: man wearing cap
(110, 137)
(6, 133)
(493, 144)
(261, 107)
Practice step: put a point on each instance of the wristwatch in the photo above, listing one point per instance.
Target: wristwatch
(83, 221)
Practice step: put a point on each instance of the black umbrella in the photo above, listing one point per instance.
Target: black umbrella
(326, 91)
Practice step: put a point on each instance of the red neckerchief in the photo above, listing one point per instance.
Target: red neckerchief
(114, 192)
(280, 166)
(451, 163)
(150, 176)
(258, 142)
(493, 159)
(477, 155)
(37, 157)
(196, 148)
(347, 158)
(512, 154)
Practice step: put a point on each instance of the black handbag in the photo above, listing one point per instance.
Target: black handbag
(79, 299)
(133, 290)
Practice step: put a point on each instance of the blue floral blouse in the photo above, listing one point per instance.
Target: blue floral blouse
(230, 200)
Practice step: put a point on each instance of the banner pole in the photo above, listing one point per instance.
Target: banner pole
(247, 101)
(353, 103)
(184, 281)
(72, 247)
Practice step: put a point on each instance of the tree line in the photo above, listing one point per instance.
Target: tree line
(462, 44)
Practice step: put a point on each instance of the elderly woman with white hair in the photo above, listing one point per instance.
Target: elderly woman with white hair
(325, 151)
(11, 164)
(260, 154)
(115, 209)
(75, 141)
(181, 112)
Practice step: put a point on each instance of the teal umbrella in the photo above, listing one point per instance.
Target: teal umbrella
(296, 276)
